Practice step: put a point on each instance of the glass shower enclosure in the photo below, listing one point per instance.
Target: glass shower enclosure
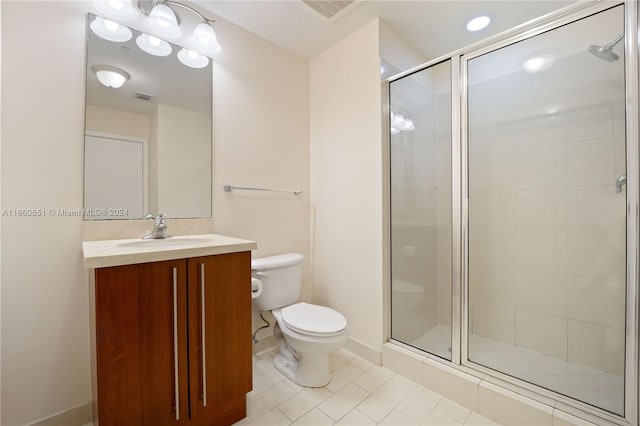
(513, 196)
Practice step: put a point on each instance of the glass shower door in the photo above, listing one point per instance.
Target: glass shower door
(546, 210)
(420, 144)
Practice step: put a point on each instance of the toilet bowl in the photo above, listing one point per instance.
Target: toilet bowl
(306, 333)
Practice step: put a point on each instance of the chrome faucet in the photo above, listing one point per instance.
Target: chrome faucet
(159, 229)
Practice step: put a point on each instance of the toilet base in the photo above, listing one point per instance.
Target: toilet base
(310, 370)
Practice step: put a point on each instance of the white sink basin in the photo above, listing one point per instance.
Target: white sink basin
(165, 242)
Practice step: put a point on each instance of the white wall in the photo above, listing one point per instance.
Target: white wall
(183, 154)
(261, 138)
(346, 182)
(45, 350)
(117, 122)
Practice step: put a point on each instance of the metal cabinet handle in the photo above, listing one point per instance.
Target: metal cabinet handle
(204, 357)
(175, 340)
(622, 180)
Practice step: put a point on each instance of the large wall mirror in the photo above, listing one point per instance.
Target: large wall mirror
(147, 143)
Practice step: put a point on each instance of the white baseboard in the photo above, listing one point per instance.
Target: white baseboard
(76, 416)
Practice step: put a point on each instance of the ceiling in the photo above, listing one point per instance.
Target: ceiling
(433, 27)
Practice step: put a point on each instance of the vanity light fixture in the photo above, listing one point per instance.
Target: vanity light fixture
(162, 22)
(153, 45)
(110, 30)
(478, 23)
(120, 10)
(192, 59)
(111, 76)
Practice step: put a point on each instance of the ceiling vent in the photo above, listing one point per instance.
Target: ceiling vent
(332, 10)
(143, 96)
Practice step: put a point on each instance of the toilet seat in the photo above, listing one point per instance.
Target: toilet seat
(314, 320)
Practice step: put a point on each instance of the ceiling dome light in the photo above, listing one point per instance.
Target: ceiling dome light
(408, 125)
(121, 10)
(478, 23)
(192, 59)
(398, 120)
(163, 22)
(205, 40)
(111, 76)
(110, 30)
(394, 131)
(538, 63)
(153, 45)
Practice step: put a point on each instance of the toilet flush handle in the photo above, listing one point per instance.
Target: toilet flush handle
(262, 274)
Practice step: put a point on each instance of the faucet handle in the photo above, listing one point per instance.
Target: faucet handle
(149, 216)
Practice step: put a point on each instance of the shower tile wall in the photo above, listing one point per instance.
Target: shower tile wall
(547, 253)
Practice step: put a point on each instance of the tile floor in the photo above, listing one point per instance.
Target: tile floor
(587, 384)
(359, 393)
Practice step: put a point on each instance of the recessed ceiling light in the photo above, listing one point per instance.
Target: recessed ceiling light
(538, 63)
(478, 23)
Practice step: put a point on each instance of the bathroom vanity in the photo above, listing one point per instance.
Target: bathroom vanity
(172, 334)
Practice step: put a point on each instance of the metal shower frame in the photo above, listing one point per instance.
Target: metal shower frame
(460, 214)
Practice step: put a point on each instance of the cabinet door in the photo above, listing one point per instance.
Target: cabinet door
(220, 315)
(140, 325)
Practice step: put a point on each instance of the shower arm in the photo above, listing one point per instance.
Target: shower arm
(614, 42)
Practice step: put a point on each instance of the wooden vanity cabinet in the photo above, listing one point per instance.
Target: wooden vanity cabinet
(146, 314)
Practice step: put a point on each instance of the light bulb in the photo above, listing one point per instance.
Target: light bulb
(398, 119)
(192, 59)
(110, 30)
(394, 131)
(204, 39)
(120, 10)
(116, 4)
(163, 22)
(153, 45)
(408, 125)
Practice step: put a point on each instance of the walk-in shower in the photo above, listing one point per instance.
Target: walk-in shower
(513, 237)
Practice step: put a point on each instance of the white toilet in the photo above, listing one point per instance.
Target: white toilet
(307, 333)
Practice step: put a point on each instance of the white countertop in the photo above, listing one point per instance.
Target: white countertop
(105, 253)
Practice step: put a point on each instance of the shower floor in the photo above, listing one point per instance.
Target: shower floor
(590, 385)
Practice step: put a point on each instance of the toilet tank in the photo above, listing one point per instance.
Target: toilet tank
(281, 278)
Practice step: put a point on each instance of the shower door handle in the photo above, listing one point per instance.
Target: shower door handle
(622, 180)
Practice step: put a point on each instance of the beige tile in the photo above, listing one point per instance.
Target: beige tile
(404, 383)
(590, 163)
(303, 402)
(380, 403)
(259, 404)
(314, 417)
(339, 358)
(493, 245)
(541, 249)
(356, 418)
(542, 292)
(361, 363)
(493, 321)
(244, 422)
(419, 403)
(511, 409)
(596, 208)
(402, 361)
(439, 418)
(398, 418)
(597, 255)
(493, 283)
(453, 410)
(598, 302)
(451, 383)
(542, 333)
(343, 401)
(373, 378)
(266, 379)
(476, 419)
(343, 376)
(596, 346)
(272, 417)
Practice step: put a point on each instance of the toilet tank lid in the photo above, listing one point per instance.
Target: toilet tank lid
(278, 261)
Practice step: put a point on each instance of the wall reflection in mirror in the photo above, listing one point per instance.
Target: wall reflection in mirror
(147, 127)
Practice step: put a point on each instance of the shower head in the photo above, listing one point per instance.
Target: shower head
(606, 52)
